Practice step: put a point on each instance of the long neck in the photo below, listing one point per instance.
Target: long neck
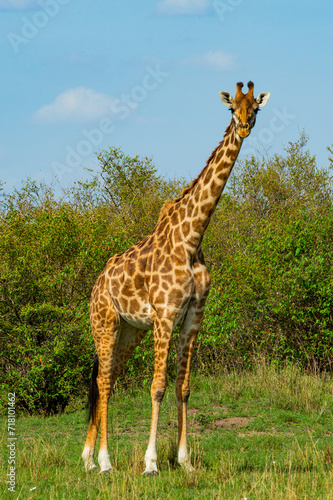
(201, 198)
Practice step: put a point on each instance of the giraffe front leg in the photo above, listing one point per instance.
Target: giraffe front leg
(182, 395)
(151, 453)
(162, 336)
(187, 338)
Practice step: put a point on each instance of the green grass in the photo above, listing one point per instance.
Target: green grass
(259, 435)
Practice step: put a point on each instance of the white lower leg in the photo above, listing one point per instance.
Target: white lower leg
(184, 459)
(104, 461)
(182, 455)
(88, 458)
(151, 454)
(151, 459)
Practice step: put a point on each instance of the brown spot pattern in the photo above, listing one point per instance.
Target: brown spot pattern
(158, 283)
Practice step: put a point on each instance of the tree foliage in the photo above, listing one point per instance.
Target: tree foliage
(52, 251)
(270, 251)
(268, 248)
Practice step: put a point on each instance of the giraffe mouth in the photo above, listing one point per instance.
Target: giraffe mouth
(243, 131)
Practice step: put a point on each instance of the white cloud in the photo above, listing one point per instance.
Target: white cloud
(75, 106)
(18, 4)
(174, 7)
(218, 61)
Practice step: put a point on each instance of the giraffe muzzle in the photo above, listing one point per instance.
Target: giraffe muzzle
(243, 130)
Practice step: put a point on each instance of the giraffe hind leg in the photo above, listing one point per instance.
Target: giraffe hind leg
(106, 327)
(128, 338)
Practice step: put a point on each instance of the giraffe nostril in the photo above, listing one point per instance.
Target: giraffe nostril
(245, 126)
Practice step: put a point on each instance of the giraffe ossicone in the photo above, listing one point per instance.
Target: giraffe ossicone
(159, 283)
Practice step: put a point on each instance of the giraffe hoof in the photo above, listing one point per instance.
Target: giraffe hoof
(91, 467)
(106, 471)
(187, 466)
(150, 473)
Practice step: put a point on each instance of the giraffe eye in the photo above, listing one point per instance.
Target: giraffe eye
(256, 110)
(230, 109)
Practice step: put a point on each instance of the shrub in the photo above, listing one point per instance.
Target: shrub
(272, 292)
(52, 253)
(268, 248)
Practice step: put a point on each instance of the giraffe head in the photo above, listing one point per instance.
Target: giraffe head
(244, 107)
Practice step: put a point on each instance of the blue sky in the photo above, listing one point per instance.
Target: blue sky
(81, 76)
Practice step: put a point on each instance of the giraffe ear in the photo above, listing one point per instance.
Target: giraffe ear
(263, 98)
(226, 98)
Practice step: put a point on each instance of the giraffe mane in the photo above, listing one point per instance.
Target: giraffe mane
(195, 181)
(165, 208)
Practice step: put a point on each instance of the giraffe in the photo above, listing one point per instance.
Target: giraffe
(159, 283)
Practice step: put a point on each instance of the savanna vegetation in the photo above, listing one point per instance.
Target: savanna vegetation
(258, 435)
(268, 247)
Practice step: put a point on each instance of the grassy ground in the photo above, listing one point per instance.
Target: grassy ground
(262, 435)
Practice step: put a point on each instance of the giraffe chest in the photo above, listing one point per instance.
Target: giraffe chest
(138, 306)
(164, 286)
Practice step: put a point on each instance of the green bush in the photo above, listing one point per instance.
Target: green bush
(268, 247)
(272, 293)
(52, 251)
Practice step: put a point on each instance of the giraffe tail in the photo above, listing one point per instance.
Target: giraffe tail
(93, 394)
